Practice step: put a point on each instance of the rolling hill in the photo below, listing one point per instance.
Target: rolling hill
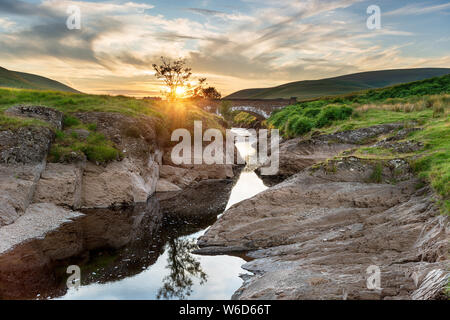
(309, 89)
(21, 80)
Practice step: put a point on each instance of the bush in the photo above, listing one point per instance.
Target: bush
(332, 113)
(298, 125)
(311, 112)
(301, 118)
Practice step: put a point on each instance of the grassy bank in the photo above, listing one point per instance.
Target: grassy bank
(424, 104)
(97, 147)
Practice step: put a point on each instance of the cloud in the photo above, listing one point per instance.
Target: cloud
(22, 8)
(268, 44)
(417, 9)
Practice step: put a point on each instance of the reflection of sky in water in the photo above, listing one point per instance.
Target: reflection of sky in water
(222, 271)
(222, 281)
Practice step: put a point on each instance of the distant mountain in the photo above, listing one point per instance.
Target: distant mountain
(309, 89)
(14, 79)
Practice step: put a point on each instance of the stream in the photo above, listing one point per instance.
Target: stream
(161, 266)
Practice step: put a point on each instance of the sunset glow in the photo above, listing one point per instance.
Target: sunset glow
(236, 45)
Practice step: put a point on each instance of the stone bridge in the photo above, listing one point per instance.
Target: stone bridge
(261, 108)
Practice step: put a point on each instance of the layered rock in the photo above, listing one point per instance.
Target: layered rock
(22, 159)
(25, 145)
(299, 153)
(314, 235)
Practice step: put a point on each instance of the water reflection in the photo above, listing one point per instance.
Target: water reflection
(183, 268)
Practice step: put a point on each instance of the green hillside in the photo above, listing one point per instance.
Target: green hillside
(310, 89)
(14, 79)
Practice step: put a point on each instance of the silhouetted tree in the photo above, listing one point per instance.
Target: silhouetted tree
(211, 93)
(174, 73)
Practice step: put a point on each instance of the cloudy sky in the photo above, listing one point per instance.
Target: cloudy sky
(236, 44)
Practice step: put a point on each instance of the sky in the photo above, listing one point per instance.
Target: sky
(235, 44)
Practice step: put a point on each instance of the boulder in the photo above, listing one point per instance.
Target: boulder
(127, 181)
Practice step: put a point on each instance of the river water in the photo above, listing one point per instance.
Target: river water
(163, 267)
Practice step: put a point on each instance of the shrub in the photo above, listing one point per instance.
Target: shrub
(70, 121)
(91, 126)
(298, 125)
(311, 112)
(100, 153)
(332, 113)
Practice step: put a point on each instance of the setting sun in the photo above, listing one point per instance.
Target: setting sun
(180, 91)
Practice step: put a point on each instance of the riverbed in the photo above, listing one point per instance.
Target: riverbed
(162, 266)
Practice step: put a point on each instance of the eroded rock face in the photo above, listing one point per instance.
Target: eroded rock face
(203, 190)
(17, 186)
(60, 184)
(360, 136)
(126, 181)
(296, 154)
(314, 235)
(22, 159)
(25, 145)
(178, 176)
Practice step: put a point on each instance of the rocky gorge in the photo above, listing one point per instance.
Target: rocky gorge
(51, 212)
(328, 216)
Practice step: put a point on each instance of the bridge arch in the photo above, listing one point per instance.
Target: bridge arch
(257, 112)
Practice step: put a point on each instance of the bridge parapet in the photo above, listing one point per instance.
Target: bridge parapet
(260, 107)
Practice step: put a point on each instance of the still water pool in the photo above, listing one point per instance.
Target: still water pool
(163, 267)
